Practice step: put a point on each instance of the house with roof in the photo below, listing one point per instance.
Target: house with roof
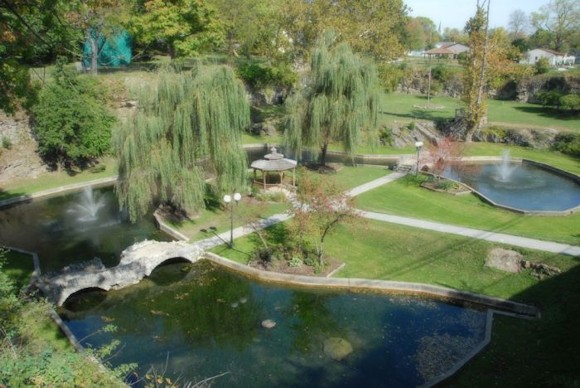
(554, 58)
(448, 49)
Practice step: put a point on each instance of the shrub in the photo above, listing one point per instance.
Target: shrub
(391, 75)
(261, 75)
(560, 100)
(542, 66)
(567, 143)
(570, 102)
(6, 142)
(386, 137)
(441, 73)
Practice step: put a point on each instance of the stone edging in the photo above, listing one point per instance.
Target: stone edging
(566, 174)
(354, 284)
(59, 190)
(164, 227)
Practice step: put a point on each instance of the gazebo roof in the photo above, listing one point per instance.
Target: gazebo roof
(274, 161)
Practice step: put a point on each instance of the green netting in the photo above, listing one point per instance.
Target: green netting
(113, 51)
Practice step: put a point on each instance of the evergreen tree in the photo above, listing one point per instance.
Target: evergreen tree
(187, 130)
(339, 103)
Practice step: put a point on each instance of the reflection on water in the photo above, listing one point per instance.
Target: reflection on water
(54, 229)
(526, 187)
(208, 321)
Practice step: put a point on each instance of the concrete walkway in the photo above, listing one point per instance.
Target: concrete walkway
(509, 239)
(502, 238)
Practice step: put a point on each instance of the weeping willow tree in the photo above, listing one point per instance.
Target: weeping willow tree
(185, 134)
(339, 103)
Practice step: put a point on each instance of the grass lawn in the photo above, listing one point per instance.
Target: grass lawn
(56, 179)
(556, 159)
(397, 107)
(219, 218)
(543, 351)
(405, 198)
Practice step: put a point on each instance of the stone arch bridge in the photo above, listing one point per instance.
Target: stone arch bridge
(137, 262)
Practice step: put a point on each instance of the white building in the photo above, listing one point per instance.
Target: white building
(554, 58)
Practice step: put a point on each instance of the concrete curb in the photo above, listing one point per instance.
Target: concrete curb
(60, 190)
(354, 284)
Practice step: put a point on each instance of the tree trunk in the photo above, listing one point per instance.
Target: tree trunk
(94, 54)
(323, 151)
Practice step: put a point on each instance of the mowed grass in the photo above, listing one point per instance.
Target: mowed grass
(51, 180)
(405, 198)
(396, 107)
(378, 250)
(217, 217)
(556, 159)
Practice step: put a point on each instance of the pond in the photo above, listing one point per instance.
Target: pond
(73, 228)
(520, 186)
(199, 321)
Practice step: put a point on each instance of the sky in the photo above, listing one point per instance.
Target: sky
(455, 13)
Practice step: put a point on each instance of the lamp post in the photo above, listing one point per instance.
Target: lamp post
(418, 146)
(228, 200)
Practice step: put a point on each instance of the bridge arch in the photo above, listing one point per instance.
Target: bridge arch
(137, 261)
(171, 260)
(66, 302)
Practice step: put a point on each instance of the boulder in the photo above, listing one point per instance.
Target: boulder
(504, 260)
(337, 348)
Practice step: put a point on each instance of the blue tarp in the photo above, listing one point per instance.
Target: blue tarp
(114, 51)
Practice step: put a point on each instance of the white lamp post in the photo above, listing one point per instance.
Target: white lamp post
(228, 200)
(418, 146)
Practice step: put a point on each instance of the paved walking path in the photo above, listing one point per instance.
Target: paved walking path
(541, 245)
(524, 242)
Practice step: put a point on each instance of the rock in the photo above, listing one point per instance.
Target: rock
(504, 260)
(268, 324)
(337, 348)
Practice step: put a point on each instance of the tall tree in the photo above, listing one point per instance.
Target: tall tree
(251, 27)
(339, 103)
(187, 129)
(29, 30)
(95, 20)
(370, 27)
(475, 76)
(421, 33)
(72, 121)
(180, 27)
(454, 35)
(562, 19)
(518, 24)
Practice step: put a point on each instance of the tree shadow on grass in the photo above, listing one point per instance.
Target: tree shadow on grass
(418, 114)
(7, 195)
(551, 113)
(544, 350)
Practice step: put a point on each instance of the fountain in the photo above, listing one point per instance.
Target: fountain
(505, 168)
(520, 185)
(88, 206)
(73, 228)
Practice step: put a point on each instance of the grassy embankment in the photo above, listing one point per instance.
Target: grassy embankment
(406, 108)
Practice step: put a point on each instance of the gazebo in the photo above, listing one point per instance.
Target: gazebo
(273, 162)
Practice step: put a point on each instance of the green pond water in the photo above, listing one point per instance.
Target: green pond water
(198, 321)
